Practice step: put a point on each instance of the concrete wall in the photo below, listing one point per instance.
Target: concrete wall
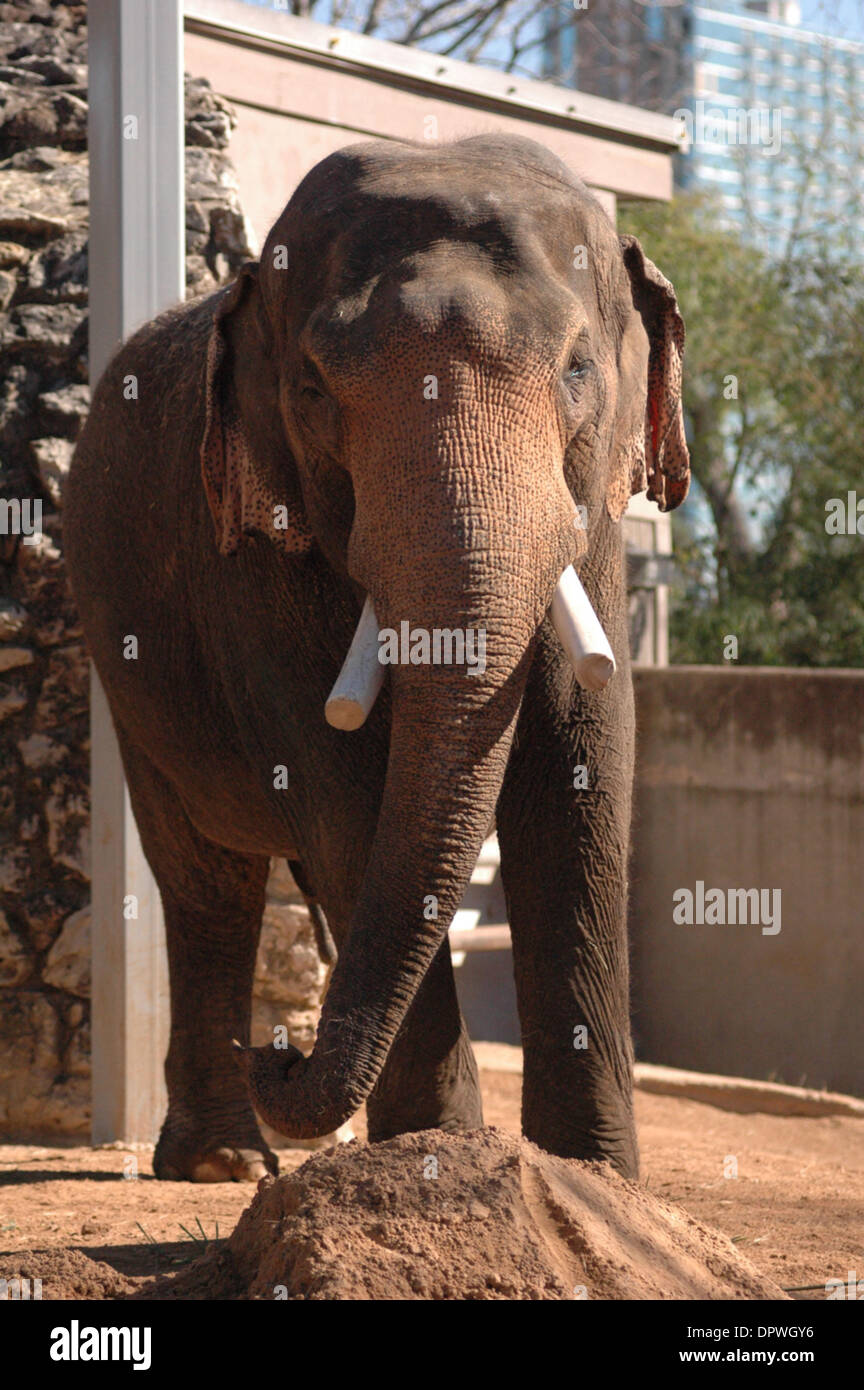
(751, 778)
(745, 778)
(303, 90)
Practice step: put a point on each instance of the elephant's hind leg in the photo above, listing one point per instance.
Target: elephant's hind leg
(213, 900)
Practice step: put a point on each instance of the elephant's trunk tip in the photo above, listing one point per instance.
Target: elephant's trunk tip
(275, 1081)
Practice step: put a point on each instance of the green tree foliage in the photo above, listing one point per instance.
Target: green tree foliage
(774, 404)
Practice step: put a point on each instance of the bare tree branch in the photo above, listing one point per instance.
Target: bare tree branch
(418, 29)
(373, 15)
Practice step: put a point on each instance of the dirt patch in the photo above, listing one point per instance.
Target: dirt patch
(71, 1274)
(476, 1216)
(788, 1191)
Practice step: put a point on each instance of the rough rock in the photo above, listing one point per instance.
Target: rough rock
(49, 333)
(13, 620)
(39, 751)
(13, 868)
(45, 194)
(16, 961)
(63, 412)
(13, 255)
(12, 701)
(45, 911)
(52, 457)
(209, 117)
(11, 657)
(67, 814)
(41, 116)
(36, 1096)
(8, 286)
(67, 965)
(288, 969)
(482, 1216)
(62, 700)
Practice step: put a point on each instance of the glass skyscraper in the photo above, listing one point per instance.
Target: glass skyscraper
(773, 111)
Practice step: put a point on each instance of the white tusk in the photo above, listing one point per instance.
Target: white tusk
(580, 634)
(577, 625)
(361, 677)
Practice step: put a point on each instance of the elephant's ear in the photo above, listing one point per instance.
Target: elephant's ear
(240, 498)
(657, 457)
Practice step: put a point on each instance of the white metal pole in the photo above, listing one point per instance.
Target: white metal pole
(136, 269)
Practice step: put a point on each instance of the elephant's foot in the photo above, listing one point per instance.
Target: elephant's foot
(613, 1144)
(389, 1125)
(190, 1151)
(450, 1101)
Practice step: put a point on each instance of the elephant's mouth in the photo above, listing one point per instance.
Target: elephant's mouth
(585, 644)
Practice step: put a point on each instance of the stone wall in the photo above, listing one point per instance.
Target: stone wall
(44, 396)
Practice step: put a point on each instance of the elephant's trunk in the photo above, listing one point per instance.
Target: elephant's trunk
(444, 773)
(500, 550)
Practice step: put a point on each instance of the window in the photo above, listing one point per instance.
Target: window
(655, 23)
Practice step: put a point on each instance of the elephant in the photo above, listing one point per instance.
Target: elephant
(436, 391)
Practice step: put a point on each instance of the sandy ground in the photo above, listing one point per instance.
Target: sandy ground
(794, 1208)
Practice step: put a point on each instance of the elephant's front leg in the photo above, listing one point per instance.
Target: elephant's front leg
(563, 826)
(429, 1080)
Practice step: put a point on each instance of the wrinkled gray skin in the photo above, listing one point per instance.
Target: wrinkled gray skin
(305, 386)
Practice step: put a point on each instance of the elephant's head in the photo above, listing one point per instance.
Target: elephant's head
(450, 350)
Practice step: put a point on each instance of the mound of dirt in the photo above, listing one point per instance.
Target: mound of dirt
(61, 1275)
(483, 1215)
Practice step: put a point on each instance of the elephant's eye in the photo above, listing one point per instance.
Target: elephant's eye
(577, 371)
(310, 386)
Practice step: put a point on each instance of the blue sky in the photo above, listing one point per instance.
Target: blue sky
(845, 17)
